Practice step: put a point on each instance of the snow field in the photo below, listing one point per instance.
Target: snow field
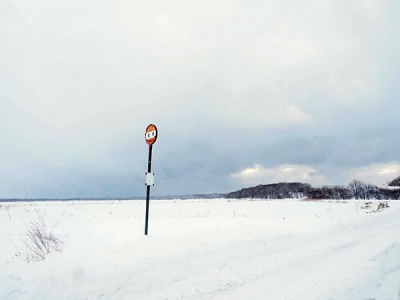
(202, 249)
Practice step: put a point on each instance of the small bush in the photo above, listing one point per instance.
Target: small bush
(366, 205)
(39, 241)
(382, 206)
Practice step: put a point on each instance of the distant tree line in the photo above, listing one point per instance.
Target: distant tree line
(356, 189)
(273, 191)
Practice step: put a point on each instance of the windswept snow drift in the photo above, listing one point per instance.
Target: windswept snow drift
(201, 249)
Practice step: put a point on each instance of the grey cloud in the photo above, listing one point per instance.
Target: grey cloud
(230, 85)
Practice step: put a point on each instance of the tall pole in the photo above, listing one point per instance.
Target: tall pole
(151, 137)
(148, 192)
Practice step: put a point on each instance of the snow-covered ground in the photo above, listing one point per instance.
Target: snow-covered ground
(202, 249)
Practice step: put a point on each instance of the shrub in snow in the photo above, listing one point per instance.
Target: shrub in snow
(39, 241)
(366, 205)
(382, 205)
(369, 206)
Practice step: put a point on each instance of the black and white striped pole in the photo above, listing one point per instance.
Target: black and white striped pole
(151, 137)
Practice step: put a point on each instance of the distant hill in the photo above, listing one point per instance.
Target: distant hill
(356, 189)
(273, 191)
(395, 182)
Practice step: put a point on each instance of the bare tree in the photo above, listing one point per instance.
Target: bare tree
(355, 187)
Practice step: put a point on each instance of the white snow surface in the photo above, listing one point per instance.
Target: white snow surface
(205, 249)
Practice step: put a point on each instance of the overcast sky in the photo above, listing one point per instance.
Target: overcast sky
(243, 93)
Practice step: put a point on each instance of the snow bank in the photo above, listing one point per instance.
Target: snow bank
(201, 249)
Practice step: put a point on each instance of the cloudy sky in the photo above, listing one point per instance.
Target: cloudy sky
(243, 92)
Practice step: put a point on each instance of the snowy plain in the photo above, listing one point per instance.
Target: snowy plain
(205, 249)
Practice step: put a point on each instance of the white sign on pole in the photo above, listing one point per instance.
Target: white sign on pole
(150, 179)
